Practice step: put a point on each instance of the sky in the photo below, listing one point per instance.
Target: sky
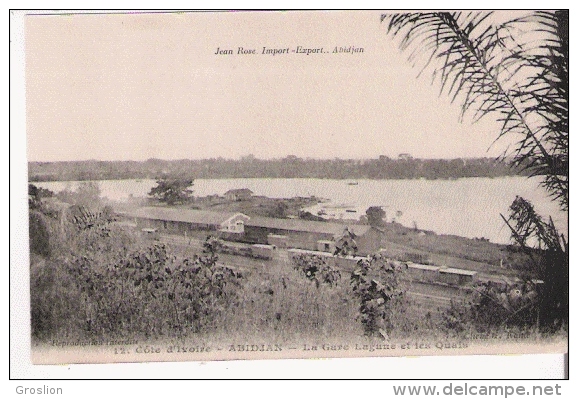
(140, 86)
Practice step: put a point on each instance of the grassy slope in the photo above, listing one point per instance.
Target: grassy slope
(454, 251)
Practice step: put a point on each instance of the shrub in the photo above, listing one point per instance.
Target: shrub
(456, 319)
(376, 283)
(103, 284)
(278, 304)
(316, 269)
(38, 233)
(150, 293)
(55, 305)
(495, 306)
(508, 304)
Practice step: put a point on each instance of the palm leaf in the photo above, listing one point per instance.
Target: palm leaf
(516, 71)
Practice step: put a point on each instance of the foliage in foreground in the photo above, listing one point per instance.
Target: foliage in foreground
(375, 289)
(282, 304)
(316, 269)
(376, 283)
(104, 284)
(550, 262)
(495, 306)
(517, 72)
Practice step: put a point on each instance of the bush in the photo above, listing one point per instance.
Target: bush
(38, 234)
(55, 305)
(103, 284)
(495, 306)
(316, 269)
(150, 293)
(376, 283)
(278, 304)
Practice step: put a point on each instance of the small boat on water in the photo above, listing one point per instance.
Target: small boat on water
(352, 183)
(351, 210)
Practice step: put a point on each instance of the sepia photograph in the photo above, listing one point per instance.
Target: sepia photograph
(296, 184)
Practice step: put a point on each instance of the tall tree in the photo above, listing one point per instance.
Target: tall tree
(515, 71)
(375, 216)
(172, 191)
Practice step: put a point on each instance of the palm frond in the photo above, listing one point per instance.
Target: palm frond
(516, 71)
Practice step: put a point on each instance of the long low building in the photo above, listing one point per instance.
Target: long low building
(290, 233)
(182, 221)
(298, 233)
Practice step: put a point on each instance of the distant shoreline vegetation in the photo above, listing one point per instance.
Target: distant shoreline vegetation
(403, 167)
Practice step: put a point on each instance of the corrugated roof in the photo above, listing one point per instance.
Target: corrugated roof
(183, 215)
(217, 218)
(306, 225)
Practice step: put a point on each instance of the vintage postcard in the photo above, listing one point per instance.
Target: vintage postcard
(296, 184)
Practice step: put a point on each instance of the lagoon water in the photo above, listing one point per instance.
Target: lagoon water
(468, 207)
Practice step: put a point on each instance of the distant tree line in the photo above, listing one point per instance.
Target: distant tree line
(288, 167)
